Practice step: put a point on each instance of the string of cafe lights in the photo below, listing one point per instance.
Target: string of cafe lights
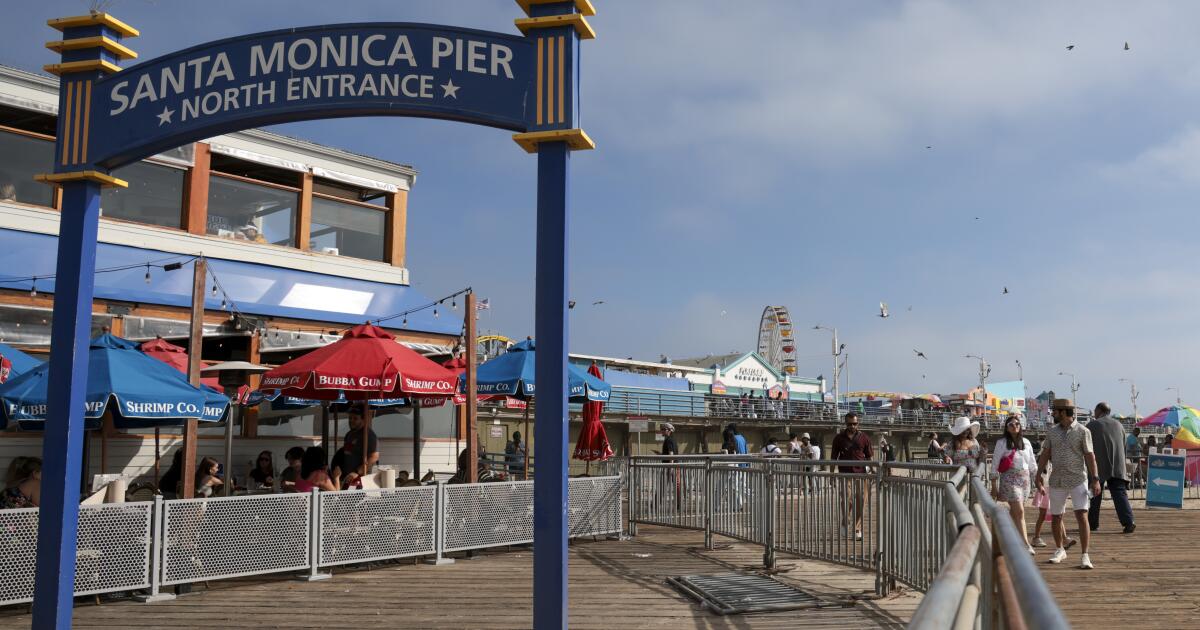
(160, 263)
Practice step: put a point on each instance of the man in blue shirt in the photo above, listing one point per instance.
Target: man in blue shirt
(738, 440)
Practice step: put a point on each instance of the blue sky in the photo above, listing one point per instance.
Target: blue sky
(776, 153)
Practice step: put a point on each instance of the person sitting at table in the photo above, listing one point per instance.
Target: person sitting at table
(263, 473)
(168, 484)
(313, 473)
(288, 476)
(208, 477)
(403, 480)
(348, 464)
(22, 484)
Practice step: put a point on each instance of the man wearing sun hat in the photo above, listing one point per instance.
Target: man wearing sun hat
(1068, 447)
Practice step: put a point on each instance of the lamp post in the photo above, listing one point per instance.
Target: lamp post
(984, 370)
(1133, 396)
(1074, 387)
(232, 376)
(837, 352)
(1178, 400)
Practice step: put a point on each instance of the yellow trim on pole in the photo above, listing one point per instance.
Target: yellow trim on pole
(554, 21)
(82, 66)
(99, 41)
(576, 139)
(583, 6)
(94, 19)
(104, 179)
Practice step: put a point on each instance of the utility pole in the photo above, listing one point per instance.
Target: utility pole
(837, 352)
(195, 347)
(1178, 399)
(984, 370)
(1133, 396)
(1074, 387)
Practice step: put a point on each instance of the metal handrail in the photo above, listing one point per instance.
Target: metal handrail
(1038, 607)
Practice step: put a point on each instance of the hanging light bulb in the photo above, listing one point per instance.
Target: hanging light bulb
(214, 291)
(276, 333)
(435, 313)
(33, 288)
(223, 304)
(147, 274)
(453, 305)
(405, 322)
(322, 337)
(297, 335)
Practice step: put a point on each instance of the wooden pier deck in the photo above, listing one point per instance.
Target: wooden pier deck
(614, 584)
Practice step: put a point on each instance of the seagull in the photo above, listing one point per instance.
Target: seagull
(929, 146)
(883, 312)
(1005, 291)
(597, 302)
(570, 304)
(1126, 45)
(909, 309)
(920, 354)
(1070, 46)
(723, 313)
(922, 376)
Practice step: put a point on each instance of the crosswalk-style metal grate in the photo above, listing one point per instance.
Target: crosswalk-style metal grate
(364, 525)
(736, 593)
(208, 539)
(112, 550)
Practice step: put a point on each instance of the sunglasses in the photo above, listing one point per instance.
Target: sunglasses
(851, 424)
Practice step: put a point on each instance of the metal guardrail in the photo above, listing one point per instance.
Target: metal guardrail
(925, 525)
(134, 546)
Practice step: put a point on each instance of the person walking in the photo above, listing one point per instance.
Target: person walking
(771, 448)
(934, 451)
(887, 452)
(514, 457)
(739, 441)
(963, 449)
(793, 444)
(1012, 464)
(1068, 446)
(853, 445)
(1108, 439)
(811, 452)
(669, 446)
(1133, 453)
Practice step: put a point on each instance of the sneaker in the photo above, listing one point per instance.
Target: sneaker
(1031, 551)
(1129, 528)
(1070, 543)
(1038, 542)
(1085, 562)
(1060, 554)
(857, 535)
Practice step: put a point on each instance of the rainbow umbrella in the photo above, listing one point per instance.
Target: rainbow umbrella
(1183, 417)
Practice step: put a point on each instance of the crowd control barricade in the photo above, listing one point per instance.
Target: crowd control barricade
(151, 545)
(112, 552)
(928, 526)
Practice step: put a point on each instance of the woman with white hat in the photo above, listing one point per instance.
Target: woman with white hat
(1013, 462)
(963, 449)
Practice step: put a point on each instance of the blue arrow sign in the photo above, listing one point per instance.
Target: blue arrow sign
(468, 75)
(1164, 485)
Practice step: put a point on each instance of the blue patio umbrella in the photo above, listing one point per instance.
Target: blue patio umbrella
(139, 390)
(511, 374)
(19, 362)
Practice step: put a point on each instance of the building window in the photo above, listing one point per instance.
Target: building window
(347, 229)
(250, 211)
(21, 157)
(154, 196)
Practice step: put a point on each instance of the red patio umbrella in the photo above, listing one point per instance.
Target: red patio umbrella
(366, 363)
(175, 357)
(593, 440)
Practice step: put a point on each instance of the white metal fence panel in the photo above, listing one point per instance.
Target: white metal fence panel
(208, 539)
(594, 506)
(112, 553)
(482, 515)
(366, 525)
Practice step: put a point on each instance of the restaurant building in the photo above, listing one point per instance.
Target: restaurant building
(302, 240)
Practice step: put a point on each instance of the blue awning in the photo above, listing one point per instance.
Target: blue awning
(257, 289)
(617, 378)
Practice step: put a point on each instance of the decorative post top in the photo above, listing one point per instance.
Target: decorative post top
(91, 48)
(556, 27)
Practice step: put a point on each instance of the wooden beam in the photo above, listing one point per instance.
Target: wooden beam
(195, 349)
(195, 191)
(396, 230)
(304, 212)
(472, 399)
(250, 414)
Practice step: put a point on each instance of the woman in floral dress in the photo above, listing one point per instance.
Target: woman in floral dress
(1013, 465)
(964, 449)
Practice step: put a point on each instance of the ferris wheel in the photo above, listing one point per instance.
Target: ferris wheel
(776, 342)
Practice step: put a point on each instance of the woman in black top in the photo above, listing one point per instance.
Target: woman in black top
(263, 473)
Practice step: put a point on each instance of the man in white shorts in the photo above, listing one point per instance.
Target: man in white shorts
(1068, 446)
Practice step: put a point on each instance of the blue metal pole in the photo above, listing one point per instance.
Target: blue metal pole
(62, 442)
(550, 417)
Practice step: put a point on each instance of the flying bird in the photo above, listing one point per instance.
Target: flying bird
(570, 304)
(1126, 45)
(920, 354)
(909, 309)
(1070, 46)
(597, 302)
(929, 146)
(883, 310)
(722, 313)
(1005, 291)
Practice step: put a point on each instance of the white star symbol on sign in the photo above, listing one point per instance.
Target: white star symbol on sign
(449, 90)
(165, 117)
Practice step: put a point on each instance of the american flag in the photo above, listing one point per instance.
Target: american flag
(483, 305)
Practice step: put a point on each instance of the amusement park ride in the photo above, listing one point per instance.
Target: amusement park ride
(776, 342)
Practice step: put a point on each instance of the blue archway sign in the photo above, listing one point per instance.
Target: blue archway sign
(110, 116)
